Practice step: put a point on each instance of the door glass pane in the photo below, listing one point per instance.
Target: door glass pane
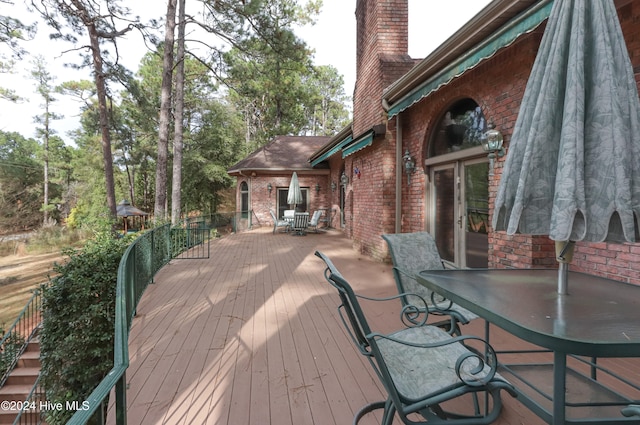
(282, 202)
(444, 186)
(244, 200)
(476, 192)
(304, 206)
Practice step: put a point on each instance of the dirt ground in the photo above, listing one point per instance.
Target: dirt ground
(19, 275)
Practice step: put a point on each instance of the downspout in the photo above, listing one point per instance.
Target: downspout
(398, 223)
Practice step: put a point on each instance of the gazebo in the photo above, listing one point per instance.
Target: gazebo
(125, 210)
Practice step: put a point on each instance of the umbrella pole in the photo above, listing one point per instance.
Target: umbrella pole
(564, 255)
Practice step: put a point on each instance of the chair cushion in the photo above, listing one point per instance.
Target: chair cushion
(418, 372)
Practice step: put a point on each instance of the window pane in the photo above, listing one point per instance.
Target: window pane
(444, 184)
(460, 128)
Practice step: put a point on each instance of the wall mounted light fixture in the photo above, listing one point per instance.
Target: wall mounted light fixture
(344, 180)
(269, 188)
(409, 165)
(317, 187)
(492, 143)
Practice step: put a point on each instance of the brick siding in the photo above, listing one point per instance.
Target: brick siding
(497, 85)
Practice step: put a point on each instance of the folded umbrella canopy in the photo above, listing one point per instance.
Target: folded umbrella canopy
(294, 196)
(573, 167)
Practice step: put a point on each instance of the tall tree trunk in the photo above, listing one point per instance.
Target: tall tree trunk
(176, 185)
(45, 201)
(101, 89)
(160, 211)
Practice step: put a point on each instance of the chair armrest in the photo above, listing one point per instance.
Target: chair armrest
(435, 298)
(631, 410)
(438, 303)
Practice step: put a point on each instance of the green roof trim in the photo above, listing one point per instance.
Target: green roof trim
(334, 150)
(523, 23)
(360, 143)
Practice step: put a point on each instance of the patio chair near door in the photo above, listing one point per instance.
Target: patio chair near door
(414, 252)
(422, 367)
(315, 219)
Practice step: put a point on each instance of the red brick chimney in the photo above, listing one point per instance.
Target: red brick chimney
(381, 57)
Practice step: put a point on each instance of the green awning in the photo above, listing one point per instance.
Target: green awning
(523, 23)
(328, 154)
(360, 143)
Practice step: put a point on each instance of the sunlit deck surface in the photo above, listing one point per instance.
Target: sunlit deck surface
(252, 336)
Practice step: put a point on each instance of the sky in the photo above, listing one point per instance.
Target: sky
(333, 38)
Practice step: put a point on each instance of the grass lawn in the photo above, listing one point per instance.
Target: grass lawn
(19, 275)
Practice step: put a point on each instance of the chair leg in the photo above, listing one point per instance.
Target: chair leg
(368, 409)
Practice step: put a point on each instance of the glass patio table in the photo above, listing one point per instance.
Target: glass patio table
(598, 318)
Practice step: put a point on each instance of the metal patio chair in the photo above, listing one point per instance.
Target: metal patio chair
(412, 253)
(300, 223)
(421, 366)
(315, 219)
(279, 223)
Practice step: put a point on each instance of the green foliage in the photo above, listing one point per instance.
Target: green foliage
(12, 31)
(20, 182)
(275, 85)
(90, 216)
(9, 349)
(259, 84)
(78, 308)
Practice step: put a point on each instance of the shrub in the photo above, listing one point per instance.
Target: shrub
(9, 350)
(78, 307)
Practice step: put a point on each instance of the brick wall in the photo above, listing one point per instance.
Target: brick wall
(497, 85)
(261, 201)
(382, 46)
(373, 195)
(382, 58)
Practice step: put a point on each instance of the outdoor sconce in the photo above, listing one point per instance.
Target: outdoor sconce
(409, 165)
(317, 187)
(344, 180)
(269, 188)
(333, 186)
(492, 143)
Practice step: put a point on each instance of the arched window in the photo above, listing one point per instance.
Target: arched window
(460, 127)
(458, 185)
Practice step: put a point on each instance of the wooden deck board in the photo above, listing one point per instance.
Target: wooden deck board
(253, 336)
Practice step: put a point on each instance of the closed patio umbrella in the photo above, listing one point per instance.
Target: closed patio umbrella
(573, 167)
(294, 196)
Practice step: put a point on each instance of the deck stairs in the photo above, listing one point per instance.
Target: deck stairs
(21, 380)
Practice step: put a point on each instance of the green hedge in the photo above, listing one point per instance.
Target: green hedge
(78, 309)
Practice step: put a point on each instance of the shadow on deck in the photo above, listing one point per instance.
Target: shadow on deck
(252, 336)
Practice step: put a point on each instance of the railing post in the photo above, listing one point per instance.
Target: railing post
(151, 254)
(132, 284)
(121, 400)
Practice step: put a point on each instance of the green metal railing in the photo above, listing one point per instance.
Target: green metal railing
(139, 264)
(15, 340)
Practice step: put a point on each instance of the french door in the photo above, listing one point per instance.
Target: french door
(459, 208)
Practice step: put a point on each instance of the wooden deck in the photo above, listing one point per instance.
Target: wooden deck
(252, 336)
